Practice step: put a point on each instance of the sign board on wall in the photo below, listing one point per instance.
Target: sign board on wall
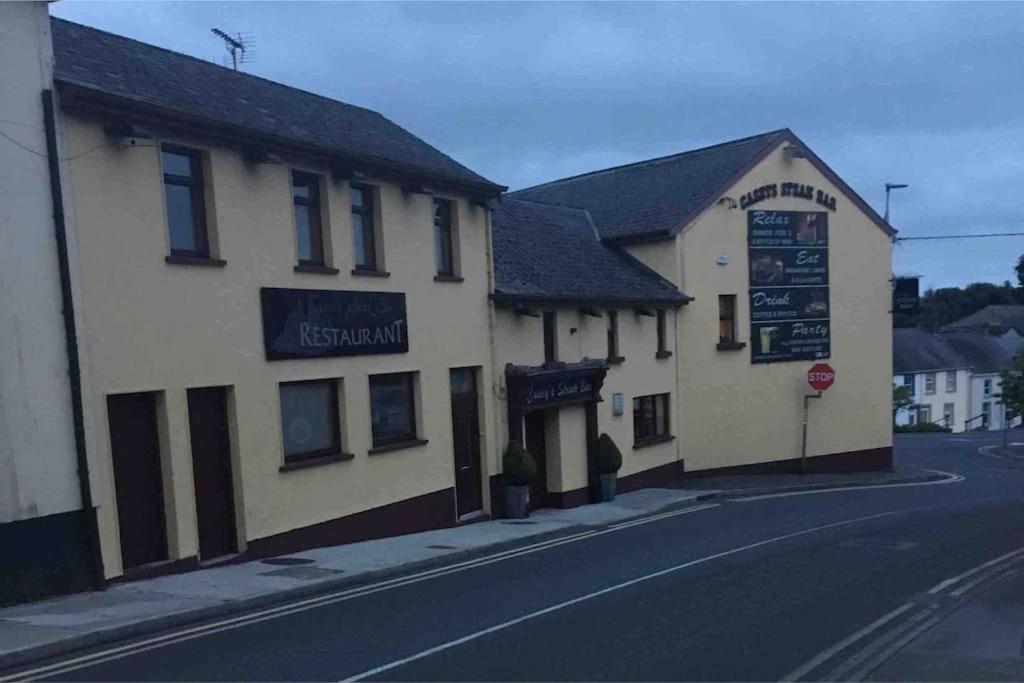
(905, 297)
(789, 286)
(321, 323)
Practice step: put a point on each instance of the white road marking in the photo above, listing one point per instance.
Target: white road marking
(943, 585)
(190, 633)
(604, 591)
(951, 478)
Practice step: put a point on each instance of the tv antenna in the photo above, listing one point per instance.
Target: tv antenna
(239, 46)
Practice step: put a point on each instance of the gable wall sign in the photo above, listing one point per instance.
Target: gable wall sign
(322, 323)
(798, 190)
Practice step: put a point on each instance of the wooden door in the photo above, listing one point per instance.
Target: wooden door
(211, 468)
(138, 481)
(536, 445)
(466, 441)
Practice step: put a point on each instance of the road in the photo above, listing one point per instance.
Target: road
(741, 590)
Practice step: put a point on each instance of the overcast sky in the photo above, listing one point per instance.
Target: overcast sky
(919, 93)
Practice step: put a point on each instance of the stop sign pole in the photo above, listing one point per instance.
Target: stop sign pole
(820, 377)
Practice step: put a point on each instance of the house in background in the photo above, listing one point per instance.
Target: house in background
(1003, 321)
(954, 377)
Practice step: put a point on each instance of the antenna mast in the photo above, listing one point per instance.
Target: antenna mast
(238, 46)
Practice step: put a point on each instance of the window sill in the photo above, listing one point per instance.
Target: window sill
(652, 441)
(615, 360)
(663, 354)
(730, 345)
(448, 278)
(195, 261)
(370, 273)
(401, 445)
(320, 270)
(306, 463)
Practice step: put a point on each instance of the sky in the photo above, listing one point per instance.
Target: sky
(918, 93)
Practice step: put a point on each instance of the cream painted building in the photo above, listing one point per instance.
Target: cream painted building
(301, 325)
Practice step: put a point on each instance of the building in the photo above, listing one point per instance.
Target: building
(953, 377)
(300, 325)
(1003, 320)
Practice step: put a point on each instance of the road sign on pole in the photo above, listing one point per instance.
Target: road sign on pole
(821, 376)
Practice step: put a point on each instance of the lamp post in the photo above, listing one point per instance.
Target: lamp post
(888, 188)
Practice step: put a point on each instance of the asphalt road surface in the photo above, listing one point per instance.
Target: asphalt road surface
(740, 590)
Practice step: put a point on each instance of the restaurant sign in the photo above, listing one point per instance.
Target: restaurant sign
(789, 293)
(323, 323)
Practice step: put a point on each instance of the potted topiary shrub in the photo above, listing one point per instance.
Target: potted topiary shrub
(609, 460)
(519, 468)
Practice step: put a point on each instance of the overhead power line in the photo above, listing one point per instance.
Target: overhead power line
(961, 237)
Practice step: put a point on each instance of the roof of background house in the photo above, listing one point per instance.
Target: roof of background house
(150, 79)
(655, 199)
(997, 317)
(915, 350)
(544, 252)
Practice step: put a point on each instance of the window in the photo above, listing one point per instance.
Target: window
(908, 381)
(550, 337)
(613, 337)
(929, 382)
(727, 319)
(948, 414)
(986, 412)
(925, 414)
(662, 351)
(308, 230)
(186, 205)
(650, 417)
(392, 408)
(951, 382)
(309, 419)
(443, 252)
(364, 247)
(987, 387)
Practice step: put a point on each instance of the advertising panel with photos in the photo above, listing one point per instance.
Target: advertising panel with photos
(789, 297)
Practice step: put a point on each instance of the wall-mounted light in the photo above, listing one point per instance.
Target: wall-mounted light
(796, 152)
(728, 202)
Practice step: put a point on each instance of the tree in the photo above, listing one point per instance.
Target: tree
(901, 398)
(1012, 385)
(1020, 272)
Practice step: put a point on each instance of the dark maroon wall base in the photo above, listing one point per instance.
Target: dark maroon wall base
(422, 513)
(871, 460)
(656, 476)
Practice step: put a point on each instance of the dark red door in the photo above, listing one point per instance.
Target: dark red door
(535, 444)
(211, 468)
(466, 441)
(138, 482)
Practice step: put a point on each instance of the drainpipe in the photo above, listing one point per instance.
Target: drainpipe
(71, 339)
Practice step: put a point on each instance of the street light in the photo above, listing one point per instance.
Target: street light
(889, 187)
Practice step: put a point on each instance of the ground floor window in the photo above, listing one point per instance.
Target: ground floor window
(650, 417)
(925, 414)
(393, 408)
(949, 414)
(309, 419)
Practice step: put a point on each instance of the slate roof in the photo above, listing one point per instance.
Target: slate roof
(998, 318)
(916, 350)
(545, 252)
(651, 198)
(150, 78)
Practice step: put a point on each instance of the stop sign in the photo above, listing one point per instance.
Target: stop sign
(821, 376)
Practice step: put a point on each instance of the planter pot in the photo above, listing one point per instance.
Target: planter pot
(607, 487)
(517, 502)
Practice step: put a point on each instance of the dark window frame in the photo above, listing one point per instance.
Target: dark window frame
(334, 449)
(444, 237)
(645, 429)
(314, 205)
(366, 213)
(550, 319)
(660, 321)
(196, 184)
(410, 380)
(727, 314)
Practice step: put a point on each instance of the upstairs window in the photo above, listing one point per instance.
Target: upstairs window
(908, 381)
(987, 387)
(550, 337)
(308, 225)
(186, 202)
(364, 247)
(444, 254)
(613, 337)
(951, 382)
(726, 318)
(929, 382)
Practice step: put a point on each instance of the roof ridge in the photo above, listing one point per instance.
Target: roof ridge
(654, 160)
(508, 197)
(242, 74)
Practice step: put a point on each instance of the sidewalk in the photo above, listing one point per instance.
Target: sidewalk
(978, 641)
(61, 625)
